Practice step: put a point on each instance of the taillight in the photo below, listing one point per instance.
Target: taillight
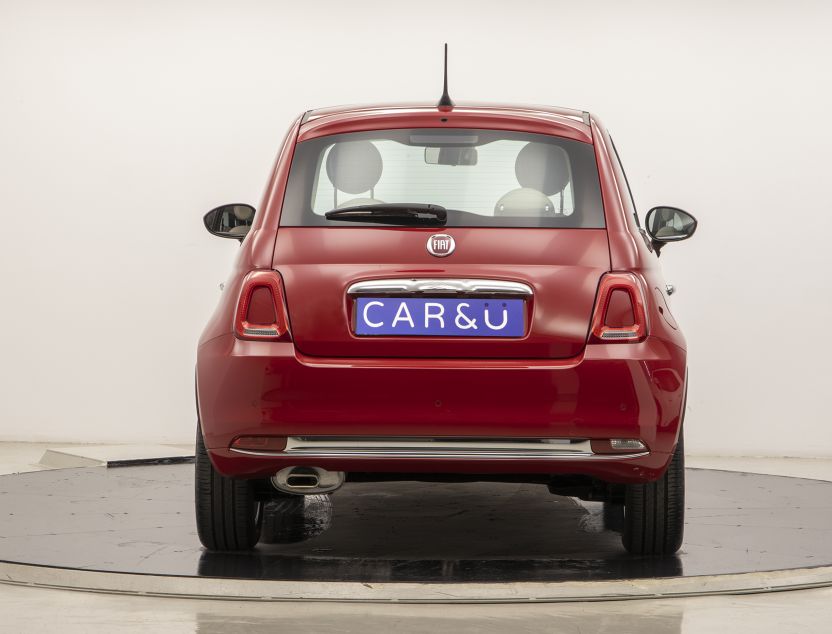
(261, 312)
(620, 312)
(259, 443)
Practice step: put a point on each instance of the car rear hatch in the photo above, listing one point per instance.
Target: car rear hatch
(443, 215)
(321, 265)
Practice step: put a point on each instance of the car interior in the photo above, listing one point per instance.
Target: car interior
(542, 171)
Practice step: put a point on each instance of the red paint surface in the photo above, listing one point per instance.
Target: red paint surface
(549, 384)
(562, 266)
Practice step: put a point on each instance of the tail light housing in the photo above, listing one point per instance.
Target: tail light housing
(620, 310)
(261, 310)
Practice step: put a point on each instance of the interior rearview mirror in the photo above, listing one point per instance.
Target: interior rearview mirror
(669, 224)
(230, 221)
(451, 155)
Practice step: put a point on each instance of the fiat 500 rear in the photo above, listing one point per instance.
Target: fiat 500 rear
(444, 294)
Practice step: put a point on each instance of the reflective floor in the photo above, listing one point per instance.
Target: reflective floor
(25, 610)
(140, 519)
(28, 610)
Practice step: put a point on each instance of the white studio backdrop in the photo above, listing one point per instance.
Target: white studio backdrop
(121, 123)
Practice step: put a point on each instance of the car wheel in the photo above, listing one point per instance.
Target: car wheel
(654, 512)
(613, 516)
(283, 519)
(228, 514)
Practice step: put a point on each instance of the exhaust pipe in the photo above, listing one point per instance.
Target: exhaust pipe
(307, 480)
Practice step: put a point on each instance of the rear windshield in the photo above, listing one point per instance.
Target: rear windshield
(484, 178)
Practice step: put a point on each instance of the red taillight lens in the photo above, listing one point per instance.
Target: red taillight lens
(259, 443)
(617, 445)
(261, 312)
(261, 308)
(620, 312)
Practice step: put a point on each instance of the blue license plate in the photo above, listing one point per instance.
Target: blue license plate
(440, 317)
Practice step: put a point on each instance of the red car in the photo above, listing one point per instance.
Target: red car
(444, 293)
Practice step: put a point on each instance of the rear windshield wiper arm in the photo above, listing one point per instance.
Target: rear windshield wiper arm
(392, 214)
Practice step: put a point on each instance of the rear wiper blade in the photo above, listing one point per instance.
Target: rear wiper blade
(392, 214)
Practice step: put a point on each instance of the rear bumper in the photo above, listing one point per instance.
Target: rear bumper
(611, 391)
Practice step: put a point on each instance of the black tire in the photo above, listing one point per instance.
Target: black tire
(283, 519)
(654, 512)
(613, 516)
(228, 514)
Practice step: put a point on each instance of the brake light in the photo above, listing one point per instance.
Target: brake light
(261, 313)
(259, 443)
(617, 445)
(620, 310)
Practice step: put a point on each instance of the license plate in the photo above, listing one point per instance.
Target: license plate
(440, 317)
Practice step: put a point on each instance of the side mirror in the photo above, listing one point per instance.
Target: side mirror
(669, 224)
(230, 221)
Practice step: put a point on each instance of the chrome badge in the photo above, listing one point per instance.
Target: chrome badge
(441, 245)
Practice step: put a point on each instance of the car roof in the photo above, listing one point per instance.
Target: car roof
(565, 122)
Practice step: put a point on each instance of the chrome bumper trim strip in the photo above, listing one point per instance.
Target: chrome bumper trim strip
(449, 448)
(492, 455)
(298, 444)
(440, 286)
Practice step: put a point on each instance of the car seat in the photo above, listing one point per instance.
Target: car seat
(542, 170)
(354, 167)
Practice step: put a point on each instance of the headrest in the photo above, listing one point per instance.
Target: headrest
(354, 166)
(543, 167)
(243, 213)
(524, 202)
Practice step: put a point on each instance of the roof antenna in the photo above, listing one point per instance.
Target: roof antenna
(445, 99)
